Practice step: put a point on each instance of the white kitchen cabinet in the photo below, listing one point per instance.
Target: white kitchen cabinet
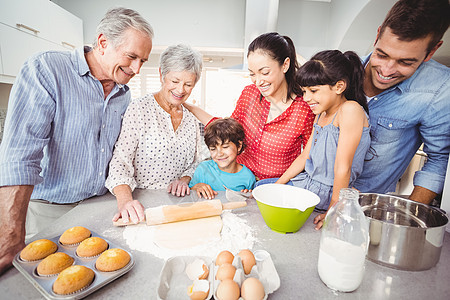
(17, 46)
(30, 26)
(1, 62)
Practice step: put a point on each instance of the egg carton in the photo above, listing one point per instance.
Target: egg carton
(174, 281)
(44, 284)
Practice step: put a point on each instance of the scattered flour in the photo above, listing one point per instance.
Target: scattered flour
(236, 235)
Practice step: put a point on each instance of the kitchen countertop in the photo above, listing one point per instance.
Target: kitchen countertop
(294, 255)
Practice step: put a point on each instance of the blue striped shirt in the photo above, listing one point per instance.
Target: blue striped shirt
(60, 130)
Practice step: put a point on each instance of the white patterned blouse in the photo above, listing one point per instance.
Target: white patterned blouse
(149, 154)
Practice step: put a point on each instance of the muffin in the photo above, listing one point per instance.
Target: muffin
(91, 247)
(73, 279)
(112, 260)
(54, 263)
(38, 249)
(74, 235)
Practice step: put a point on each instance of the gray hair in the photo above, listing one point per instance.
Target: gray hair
(181, 58)
(118, 20)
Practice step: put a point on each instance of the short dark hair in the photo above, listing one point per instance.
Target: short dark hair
(415, 19)
(225, 130)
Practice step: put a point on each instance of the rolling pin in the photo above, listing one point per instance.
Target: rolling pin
(184, 211)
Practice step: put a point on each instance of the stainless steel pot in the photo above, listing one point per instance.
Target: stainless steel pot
(404, 234)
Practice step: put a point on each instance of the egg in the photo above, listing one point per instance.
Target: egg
(225, 271)
(228, 290)
(224, 257)
(252, 289)
(198, 290)
(248, 260)
(197, 269)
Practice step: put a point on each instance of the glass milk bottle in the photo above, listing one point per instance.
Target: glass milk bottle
(343, 243)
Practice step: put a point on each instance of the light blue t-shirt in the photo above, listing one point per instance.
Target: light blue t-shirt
(208, 172)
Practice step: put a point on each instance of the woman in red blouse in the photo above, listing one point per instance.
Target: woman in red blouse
(276, 120)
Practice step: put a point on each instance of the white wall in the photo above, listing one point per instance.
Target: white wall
(343, 12)
(200, 23)
(306, 23)
(361, 33)
(313, 25)
(260, 16)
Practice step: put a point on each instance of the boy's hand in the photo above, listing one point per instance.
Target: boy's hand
(204, 190)
(249, 192)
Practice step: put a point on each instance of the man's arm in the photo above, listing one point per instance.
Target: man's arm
(13, 211)
(423, 195)
(434, 131)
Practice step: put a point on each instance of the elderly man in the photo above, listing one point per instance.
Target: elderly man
(64, 116)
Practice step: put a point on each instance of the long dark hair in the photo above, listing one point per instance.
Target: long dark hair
(330, 66)
(279, 48)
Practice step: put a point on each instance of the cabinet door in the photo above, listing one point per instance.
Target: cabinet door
(65, 28)
(43, 19)
(16, 46)
(26, 12)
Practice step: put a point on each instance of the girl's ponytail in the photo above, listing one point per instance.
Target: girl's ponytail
(355, 90)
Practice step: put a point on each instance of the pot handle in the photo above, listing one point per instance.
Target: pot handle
(439, 209)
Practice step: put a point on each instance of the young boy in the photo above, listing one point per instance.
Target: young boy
(225, 140)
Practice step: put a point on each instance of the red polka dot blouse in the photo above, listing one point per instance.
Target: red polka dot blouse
(271, 147)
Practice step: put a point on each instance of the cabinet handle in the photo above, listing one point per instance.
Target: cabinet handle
(27, 27)
(68, 44)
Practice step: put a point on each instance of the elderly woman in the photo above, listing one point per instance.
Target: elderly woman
(159, 143)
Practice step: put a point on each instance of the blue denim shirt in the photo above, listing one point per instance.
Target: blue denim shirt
(403, 117)
(60, 130)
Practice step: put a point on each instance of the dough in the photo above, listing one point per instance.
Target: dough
(188, 234)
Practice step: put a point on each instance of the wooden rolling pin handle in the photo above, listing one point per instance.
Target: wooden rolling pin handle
(234, 204)
(120, 223)
(211, 211)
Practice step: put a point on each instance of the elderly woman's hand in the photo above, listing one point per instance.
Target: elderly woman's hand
(130, 210)
(179, 187)
(127, 207)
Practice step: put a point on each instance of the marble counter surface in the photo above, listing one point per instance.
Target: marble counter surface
(294, 255)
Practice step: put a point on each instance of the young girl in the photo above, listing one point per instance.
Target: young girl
(332, 84)
(225, 140)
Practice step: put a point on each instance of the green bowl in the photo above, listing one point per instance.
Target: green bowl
(284, 208)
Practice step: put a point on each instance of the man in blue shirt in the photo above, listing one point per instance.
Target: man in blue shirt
(64, 116)
(409, 99)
